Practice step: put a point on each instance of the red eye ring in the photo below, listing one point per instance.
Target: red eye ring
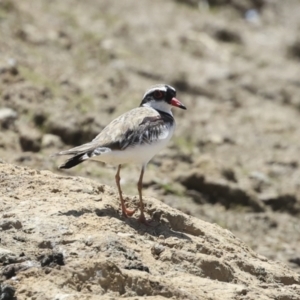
(158, 94)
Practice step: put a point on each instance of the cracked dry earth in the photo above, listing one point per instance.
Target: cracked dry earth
(63, 238)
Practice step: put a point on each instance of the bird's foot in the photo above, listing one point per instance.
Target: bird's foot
(128, 212)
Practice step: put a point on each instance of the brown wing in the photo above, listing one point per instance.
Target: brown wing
(120, 133)
(140, 125)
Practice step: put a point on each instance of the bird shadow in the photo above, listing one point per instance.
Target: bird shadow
(156, 226)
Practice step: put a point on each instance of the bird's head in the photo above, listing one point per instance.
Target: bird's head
(161, 97)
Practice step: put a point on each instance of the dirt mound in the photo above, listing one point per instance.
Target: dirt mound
(63, 238)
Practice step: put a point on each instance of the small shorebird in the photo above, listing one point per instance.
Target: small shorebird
(134, 137)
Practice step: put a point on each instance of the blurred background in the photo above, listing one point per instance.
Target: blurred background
(69, 67)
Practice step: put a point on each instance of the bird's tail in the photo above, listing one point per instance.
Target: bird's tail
(73, 161)
(80, 154)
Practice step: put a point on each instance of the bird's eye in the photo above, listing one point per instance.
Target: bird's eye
(158, 94)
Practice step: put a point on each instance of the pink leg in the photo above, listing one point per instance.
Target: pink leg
(125, 212)
(142, 218)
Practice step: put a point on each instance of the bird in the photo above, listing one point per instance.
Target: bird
(132, 138)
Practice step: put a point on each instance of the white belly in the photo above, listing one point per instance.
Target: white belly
(140, 154)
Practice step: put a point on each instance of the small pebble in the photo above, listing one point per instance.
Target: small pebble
(157, 249)
(7, 292)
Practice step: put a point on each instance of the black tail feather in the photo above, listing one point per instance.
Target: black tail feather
(72, 162)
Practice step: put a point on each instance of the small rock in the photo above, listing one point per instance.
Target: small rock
(7, 256)
(12, 270)
(7, 117)
(45, 245)
(8, 271)
(229, 174)
(51, 140)
(89, 241)
(228, 35)
(137, 266)
(52, 260)
(9, 74)
(157, 249)
(9, 224)
(31, 34)
(216, 139)
(7, 292)
(30, 139)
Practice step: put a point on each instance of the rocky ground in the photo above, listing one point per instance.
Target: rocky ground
(69, 67)
(63, 238)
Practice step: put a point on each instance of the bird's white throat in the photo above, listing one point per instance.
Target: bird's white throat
(159, 105)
